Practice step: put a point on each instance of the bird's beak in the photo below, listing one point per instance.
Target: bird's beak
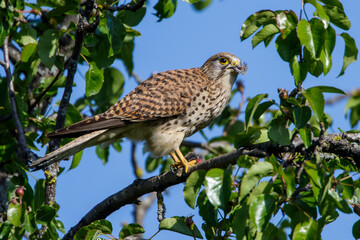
(239, 68)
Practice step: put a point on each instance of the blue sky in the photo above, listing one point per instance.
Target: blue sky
(186, 40)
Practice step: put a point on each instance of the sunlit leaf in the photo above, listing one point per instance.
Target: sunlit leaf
(130, 229)
(260, 211)
(192, 187)
(178, 224)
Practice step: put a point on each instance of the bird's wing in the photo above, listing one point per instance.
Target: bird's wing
(163, 95)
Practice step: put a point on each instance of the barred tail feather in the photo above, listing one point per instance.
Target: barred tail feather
(80, 143)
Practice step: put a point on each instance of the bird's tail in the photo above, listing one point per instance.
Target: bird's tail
(80, 143)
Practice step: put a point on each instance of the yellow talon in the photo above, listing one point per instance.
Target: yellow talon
(180, 160)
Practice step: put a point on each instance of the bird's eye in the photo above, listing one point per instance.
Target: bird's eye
(223, 60)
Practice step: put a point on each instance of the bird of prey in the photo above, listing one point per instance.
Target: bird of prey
(161, 111)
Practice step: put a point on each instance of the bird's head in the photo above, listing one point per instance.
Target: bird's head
(224, 65)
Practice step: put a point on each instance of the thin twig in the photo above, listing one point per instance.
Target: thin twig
(24, 150)
(135, 167)
(42, 94)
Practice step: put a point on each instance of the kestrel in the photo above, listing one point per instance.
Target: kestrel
(161, 111)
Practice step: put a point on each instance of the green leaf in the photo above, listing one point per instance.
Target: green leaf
(255, 173)
(15, 214)
(278, 132)
(76, 160)
(48, 47)
(102, 153)
(255, 21)
(351, 52)
(266, 32)
(45, 214)
(262, 107)
(329, 44)
(39, 199)
(152, 163)
(111, 89)
(93, 230)
(178, 224)
(239, 224)
(29, 222)
(251, 108)
(5, 230)
(260, 211)
(130, 229)
(347, 185)
(192, 187)
(131, 18)
(306, 230)
(337, 16)
(165, 8)
(328, 89)
(217, 187)
(298, 69)
(206, 210)
(248, 137)
(286, 21)
(315, 97)
(339, 201)
(305, 135)
(289, 177)
(320, 12)
(28, 51)
(301, 116)
(311, 35)
(314, 173)
(356, 230)
(191, 1)
(71, 8)
(117, 32)
(94, 80)
(289, 46)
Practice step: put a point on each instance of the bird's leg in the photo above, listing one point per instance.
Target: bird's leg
(180, 160)
(175, 158)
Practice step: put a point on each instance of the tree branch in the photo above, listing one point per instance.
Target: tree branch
(332, 143)
(52, 170)
(25, 152)
(128, 6)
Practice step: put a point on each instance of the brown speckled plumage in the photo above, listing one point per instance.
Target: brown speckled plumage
(161, 111)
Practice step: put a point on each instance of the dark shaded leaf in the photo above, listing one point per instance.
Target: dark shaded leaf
(337, 16)
(278, 132)
(301, 116)
(117, 32)
(288, 47)
(45, 214)
(252, 107)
